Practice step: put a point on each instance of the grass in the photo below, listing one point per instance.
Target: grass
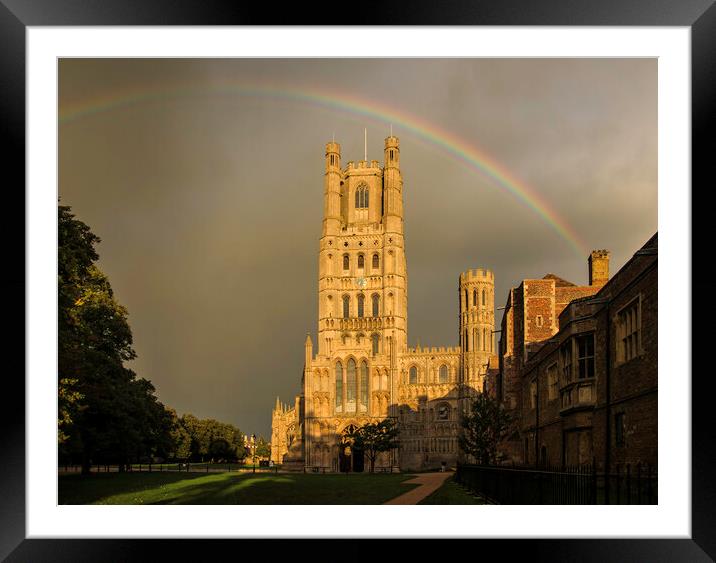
(452, 493)
(229, 488)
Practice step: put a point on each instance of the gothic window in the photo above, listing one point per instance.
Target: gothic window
(474, 298)
(339, 387)
(346, 306)
(361, 261)
(361, 299)
(351, 386)
(376, 261)
(375, 341)
(619, 429)
(413, 375)
(363, 389)
(362, 197)
(467, 300)
(443, 374)
(552, 382)
(467, 344)
(346, 262)
(484, 339)
(376, 305)
(483, 298)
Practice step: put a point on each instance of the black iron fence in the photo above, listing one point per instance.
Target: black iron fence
(565, 485)
(196, 467)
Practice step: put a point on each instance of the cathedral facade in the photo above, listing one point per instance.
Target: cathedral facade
(362, 369)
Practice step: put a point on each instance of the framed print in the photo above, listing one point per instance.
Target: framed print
(90, 89)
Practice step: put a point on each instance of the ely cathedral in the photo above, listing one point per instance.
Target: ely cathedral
(361, 368)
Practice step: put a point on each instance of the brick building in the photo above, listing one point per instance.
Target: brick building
(582, 382)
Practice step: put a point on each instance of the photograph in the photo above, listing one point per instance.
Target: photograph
(235, 238)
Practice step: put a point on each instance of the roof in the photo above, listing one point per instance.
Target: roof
(559, 282)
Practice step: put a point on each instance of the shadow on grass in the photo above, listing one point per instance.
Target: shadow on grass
(229, 488)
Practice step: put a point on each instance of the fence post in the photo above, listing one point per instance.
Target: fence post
(638, 483)
(207, 467)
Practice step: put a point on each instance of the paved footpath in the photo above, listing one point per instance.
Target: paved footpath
(429, 483)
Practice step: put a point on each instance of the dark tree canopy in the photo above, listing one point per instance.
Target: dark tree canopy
(106, 413)
(484, 426)
(374, 438)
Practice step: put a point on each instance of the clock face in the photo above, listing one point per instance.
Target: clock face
(361, 282)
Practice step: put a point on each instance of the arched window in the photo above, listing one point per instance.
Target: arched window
(483, 298)
(474, 298)
(346, 306)
(376, 261)
(339, 387)
(484, 339)
(361, 261)
(443, 374)
(413, 375)
(351, 386)
(363, 388)
(362, 197)
(375, 341)
(467, 344)
(467, 300)
(346, 262)
(376, 305)
(360, 305)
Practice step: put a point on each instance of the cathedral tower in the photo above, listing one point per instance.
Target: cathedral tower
(477, 321)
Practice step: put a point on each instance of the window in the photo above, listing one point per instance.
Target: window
(585, 355)
(628, 330)
(363, 389)
(361, 299)
(474, 298)
(533, 394)
(362, 197)
(346, 306)
(376, 305)
(346, 262)
(483, 298)
(351, 386)
(443, 374)
(538, 321)
(619, 429)
(375, 339)
(444, 412)
(339, 387)
(376, 261)
(552, 382)
(565, 356)
(413, 375)
(361, 261)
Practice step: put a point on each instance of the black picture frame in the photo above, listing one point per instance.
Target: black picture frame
(698, 15)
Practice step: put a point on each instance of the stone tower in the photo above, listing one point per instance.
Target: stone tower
(362, 283)
(477, 319)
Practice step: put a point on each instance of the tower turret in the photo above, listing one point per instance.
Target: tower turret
(332, 189)
(477, 321)
(392, 186)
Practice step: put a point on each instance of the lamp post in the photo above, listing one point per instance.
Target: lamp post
(253, 450)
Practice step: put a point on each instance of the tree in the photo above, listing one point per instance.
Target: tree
(374, 438)
(263, 448)
(484, 426)
(106, 413)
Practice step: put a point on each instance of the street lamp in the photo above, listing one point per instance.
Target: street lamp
(253, 450)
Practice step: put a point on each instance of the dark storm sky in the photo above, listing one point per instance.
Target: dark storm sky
(209, 204)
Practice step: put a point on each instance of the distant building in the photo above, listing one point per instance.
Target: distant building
(579, 373)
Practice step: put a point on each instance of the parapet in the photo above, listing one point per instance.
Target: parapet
(478, 274)
(392, 142)
(333, 147)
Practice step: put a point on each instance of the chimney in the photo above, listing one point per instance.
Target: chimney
(598, 267)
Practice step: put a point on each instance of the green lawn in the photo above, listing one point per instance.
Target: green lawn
(229, 488)
(452, 493)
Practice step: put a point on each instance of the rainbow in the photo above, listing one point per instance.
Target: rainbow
(459, 149)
